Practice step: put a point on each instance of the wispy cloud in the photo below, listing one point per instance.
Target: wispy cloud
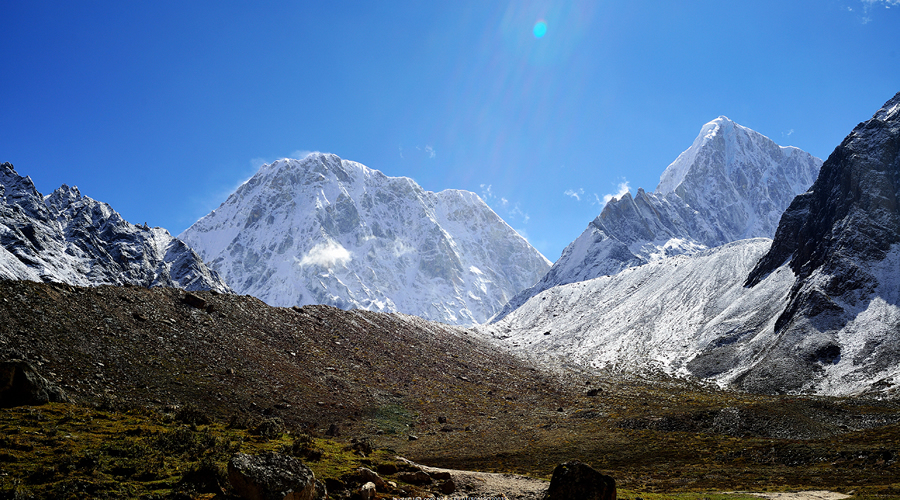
(301, 154)
(430, 151)
(623, 189)
(511, 211)
(486, 193)
(870, 5)
(326, 255)
(574, 194)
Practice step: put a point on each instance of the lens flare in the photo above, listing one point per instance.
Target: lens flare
(540, 29)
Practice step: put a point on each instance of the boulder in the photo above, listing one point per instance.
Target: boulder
(21, 384)
(578, 481)
(271, 476)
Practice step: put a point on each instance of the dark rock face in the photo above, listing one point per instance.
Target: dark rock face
(271, 476)
(836, 238)
(577, 481)
(21, 384)
(66, 237)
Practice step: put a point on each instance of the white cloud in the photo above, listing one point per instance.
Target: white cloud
(574, 194)
(301, 154)
(486, 193)
(430, 151)
(401, 151)
(326, 254)
(623, 189)
(503, 201)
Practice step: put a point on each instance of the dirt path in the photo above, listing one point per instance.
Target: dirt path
(489, 484)
(801, 495)
(513, 487)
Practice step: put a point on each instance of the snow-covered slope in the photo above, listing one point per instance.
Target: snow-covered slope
(731, 184)
(323, 230)
(69, 238)
(654, 317)
(817, 310)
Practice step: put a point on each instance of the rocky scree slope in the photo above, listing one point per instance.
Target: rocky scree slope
(69, 238)
(820, 315)
(323, 230)
(732, 183)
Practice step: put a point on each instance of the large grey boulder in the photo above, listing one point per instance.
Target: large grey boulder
(271, 476)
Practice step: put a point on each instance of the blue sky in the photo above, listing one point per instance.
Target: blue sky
(162, 108)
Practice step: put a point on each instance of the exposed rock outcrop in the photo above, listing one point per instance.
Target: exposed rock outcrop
(271, 476)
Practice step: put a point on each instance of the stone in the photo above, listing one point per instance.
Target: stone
(194, 301)
(367, 491)
(578, 481)
(417, 477)
(21, 384)
(387, 469)
(271, 476)
(447, 487)
(369, 476)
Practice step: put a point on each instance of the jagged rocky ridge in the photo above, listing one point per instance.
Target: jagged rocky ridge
(66, 237)
(818, 312)
(323, 230)
(732, 183)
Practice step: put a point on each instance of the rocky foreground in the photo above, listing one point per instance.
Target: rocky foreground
(432, 393)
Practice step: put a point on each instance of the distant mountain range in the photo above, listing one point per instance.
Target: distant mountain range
(817, 310)
(67, 237)
(732, 183)
(322, 230)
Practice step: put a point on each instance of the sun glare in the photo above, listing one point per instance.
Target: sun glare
(540, 29)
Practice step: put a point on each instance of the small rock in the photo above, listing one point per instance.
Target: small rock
(387, 469)
(447, 487)
(442, 420)
(369, 476)
(333, 431)
(367, 491)
(194, 301)
(417, 477)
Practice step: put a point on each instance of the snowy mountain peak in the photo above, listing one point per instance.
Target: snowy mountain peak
(322, 230)
(732, 183)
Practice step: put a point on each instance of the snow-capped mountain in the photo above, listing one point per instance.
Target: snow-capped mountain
(817, 310)
(323, 230)
(70, 238)
(731, 184)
